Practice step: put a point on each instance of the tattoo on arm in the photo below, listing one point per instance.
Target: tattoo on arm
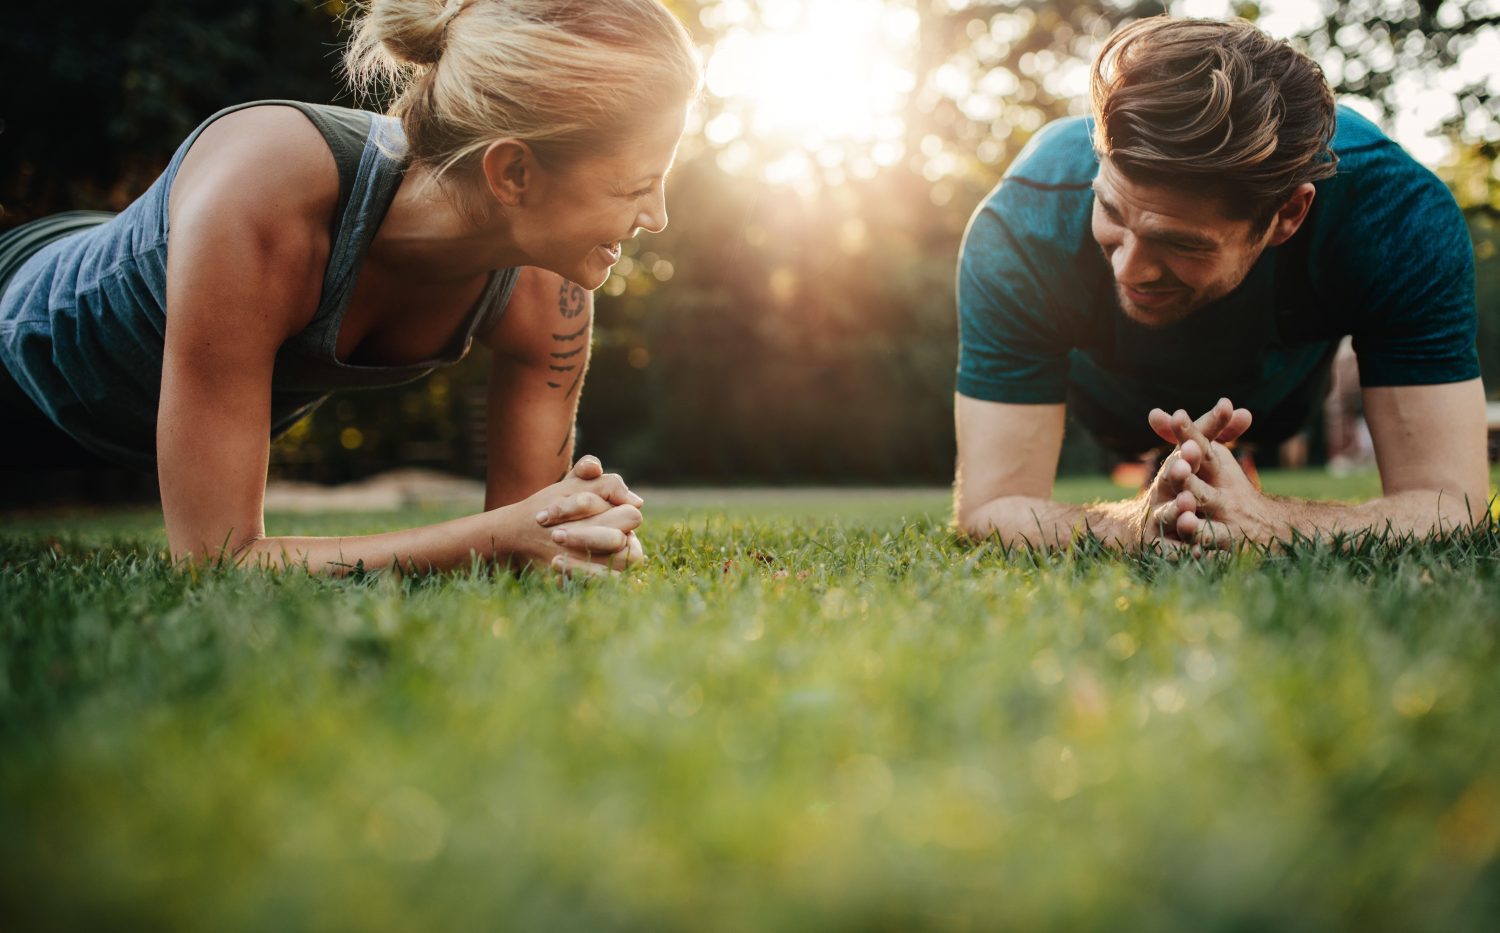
(571, 300)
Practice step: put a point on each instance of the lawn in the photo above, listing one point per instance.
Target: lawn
(808, 713)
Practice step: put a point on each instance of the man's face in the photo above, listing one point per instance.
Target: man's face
(1171, 251)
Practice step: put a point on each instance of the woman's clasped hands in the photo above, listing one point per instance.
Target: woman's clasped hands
(581, 526)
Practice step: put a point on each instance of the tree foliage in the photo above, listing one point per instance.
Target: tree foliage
(773, 332)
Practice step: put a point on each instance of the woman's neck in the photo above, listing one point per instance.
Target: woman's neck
(428, 233)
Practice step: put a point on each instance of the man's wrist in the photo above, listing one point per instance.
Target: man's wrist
(1117, 523)
(1277, 519)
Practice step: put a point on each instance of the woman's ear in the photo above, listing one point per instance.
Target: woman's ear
(510, 171)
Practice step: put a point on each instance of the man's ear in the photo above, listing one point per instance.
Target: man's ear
(510, 171)
(1290, 215)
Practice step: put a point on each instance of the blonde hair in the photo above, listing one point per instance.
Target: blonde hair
(1214, 105)
(564, 76)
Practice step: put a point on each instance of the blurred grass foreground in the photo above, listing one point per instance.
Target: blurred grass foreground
(797, 717)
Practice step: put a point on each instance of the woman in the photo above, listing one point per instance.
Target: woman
(290, 250)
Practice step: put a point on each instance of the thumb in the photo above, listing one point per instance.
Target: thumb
(588, 467)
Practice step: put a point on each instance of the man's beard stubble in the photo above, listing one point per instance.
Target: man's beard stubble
(1190, 304)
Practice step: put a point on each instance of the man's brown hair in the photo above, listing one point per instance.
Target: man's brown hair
(1219, 107)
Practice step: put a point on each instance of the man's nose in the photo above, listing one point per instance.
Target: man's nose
(1134, 264)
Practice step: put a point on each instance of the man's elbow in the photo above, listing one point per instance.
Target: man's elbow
(1464, 508)
(973, 521)
(1438, 509)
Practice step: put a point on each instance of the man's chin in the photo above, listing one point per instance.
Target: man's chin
(1158, 315)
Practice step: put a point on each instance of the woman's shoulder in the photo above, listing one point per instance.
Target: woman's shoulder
(252, 201)
(267, 161)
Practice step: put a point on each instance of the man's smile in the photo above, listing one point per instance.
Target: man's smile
(1151, 297)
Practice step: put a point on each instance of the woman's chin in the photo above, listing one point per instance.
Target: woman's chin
(585, 275)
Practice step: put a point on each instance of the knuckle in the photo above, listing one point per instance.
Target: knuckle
(630, 516)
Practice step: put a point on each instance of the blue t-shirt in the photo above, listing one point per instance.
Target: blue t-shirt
(1384, 255)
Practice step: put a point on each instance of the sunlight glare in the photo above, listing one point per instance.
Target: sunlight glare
(817, 85)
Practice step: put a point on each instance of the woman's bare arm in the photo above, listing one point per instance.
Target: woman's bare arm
(539, 355)
(246, 257)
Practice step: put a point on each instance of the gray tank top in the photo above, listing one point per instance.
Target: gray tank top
(83, 300)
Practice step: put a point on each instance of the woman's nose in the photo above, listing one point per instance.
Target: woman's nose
(654, 218)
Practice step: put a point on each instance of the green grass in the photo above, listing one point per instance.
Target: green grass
(800, 716)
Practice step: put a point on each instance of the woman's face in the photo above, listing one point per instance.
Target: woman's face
(581, 213)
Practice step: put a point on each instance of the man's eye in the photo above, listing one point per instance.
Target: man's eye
(644, 192)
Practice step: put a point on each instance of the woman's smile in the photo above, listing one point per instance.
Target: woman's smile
(610, 251)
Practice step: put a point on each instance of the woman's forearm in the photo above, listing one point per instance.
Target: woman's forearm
(490, 536)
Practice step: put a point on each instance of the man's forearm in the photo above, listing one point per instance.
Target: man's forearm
(1033, 522)
(1418, 512)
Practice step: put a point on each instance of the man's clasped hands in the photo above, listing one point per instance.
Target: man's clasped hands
(1201, 497)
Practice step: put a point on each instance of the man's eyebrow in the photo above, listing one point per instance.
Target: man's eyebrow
(1103, 201)
(1171, 237)
(1182, 238)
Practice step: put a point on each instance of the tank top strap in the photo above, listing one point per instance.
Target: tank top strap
(342, 128)
(345, 131)
(376, 179)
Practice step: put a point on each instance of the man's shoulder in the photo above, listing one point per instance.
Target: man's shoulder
(1381, 191)
(1059, 157)
(1370, 162)
(1042, 203)
(1354, 133)
(1045, 195)
(1029, 238)
(1386, 254)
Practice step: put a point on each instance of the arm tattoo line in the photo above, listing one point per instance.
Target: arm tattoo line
(571, 300)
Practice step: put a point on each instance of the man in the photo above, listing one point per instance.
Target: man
(1214, 229)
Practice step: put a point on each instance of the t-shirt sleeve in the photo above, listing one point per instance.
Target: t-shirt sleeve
(1407, 251)
(1009, 346)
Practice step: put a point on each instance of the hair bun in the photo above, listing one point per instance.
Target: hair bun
(414, 32)
(566, 76)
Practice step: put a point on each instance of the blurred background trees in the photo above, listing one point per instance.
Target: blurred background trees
(795, 322)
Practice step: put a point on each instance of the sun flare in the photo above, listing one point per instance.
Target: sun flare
(812, 86)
